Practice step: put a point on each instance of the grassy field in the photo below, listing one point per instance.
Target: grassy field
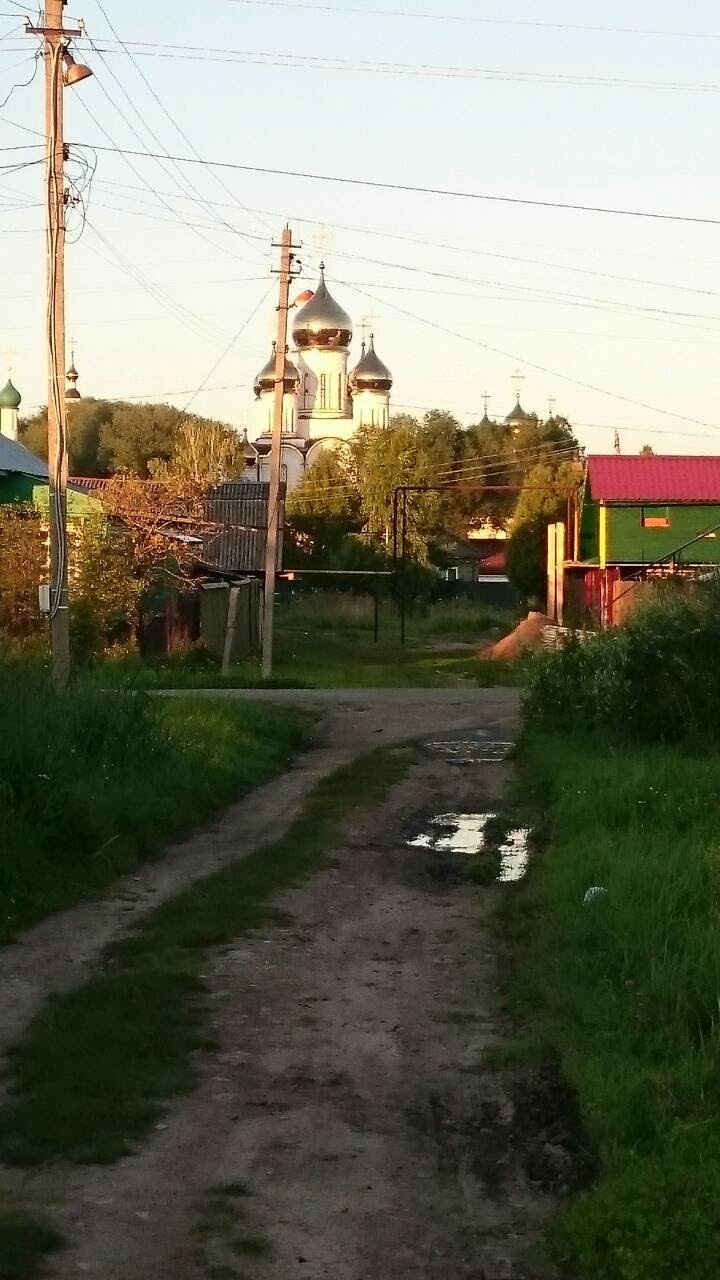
(326, 641)
(94, 783)
(624, 991)
(98, 1064)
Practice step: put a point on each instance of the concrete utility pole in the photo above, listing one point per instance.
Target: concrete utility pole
(273, 521)
(60, 70)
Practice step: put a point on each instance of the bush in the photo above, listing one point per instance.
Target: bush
(657, 680)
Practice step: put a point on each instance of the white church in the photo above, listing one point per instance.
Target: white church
(323, 401)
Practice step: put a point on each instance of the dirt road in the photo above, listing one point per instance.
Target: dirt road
(348, 1125)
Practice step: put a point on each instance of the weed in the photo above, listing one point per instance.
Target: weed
(25, 1244)
(251, 1246)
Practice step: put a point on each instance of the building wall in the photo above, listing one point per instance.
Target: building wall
(628, 542)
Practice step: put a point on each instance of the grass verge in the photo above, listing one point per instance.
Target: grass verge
(98, 1065)
(624, 991)
(25, 1244)
(92, 784)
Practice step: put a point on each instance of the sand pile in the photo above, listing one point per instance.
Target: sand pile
(528, 634)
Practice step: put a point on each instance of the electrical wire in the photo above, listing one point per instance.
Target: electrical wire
(419, 190)
(229, 347)
(429, 16)
(531, 364)
(316, 62)
(24, 83)
(173, 120)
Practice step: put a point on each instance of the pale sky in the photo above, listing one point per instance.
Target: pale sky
(347, 108)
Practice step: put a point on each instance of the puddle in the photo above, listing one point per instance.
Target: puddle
(464, 834)
(471, 750)
(455, 833)
(514, 855)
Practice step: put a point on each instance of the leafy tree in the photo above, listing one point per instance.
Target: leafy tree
(543, 499)
(647, 451)
(23, 566)
(322, 510)
(106, 436)
(137, 435)
(86, 419)
(204, 453)
(157, 516)
(106, 590)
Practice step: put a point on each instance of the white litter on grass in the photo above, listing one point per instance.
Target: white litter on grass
(596, 891)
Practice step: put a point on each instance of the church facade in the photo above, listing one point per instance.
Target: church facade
(325, 400)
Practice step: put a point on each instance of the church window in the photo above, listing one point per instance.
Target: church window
(323, 391)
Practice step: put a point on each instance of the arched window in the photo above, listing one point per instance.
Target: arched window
(323, 391)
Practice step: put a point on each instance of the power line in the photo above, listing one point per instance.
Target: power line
(531, 364)
(429, 16)
(456, 248)
(229, 346)
(148, 84)
(418, 190)
(290, 61)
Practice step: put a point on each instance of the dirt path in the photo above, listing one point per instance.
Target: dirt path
(55, 954)
(350, 1092)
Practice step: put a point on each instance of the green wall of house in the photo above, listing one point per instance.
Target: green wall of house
(629, 542)
(15, 487)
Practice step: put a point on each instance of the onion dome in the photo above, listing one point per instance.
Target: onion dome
(10, 397)
(322, 321)
(518, 416)
(265, 380)
(249, 452)
(72, 376)
(370, 374)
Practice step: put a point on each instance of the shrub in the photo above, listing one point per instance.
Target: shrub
(657, 680)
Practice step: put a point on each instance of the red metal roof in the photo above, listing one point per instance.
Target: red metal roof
(654, 478)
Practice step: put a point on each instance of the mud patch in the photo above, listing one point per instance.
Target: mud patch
(507, 1131)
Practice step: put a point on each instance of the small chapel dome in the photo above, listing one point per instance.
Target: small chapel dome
(10, 397)
(518, 416)
(370, 374)
(321, 322)
(265, 380)
(72, 376)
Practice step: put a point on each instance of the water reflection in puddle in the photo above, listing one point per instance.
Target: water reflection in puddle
(464, 833)
(471, 750)
(454, 833)
(514, 855)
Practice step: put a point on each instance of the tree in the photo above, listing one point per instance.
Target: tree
(647, 451)
(86, 418)
(106, 590)
(23, 566)
(163, 517)
(205, 453)
(322, 510)
(106, 436)
(542, 500)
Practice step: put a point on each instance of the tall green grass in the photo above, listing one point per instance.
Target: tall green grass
(626, 990)
(92, 783)
(337, 610)
(656, 680)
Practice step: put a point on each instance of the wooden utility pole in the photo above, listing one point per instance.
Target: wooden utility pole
(60, 70)
(273, 519)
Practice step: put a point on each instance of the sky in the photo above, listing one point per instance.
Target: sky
(614, 319)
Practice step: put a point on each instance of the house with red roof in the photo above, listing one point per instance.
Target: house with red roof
(642, 516)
